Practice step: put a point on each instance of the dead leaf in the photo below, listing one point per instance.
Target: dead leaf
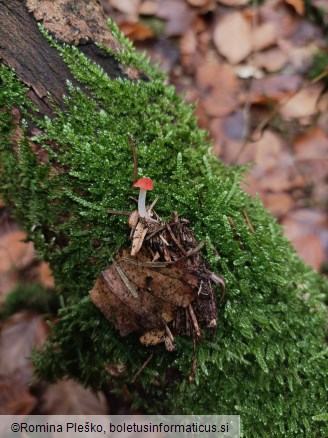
(148, 8)
(233, 2)
(128, 7)
(19, 335)
(67, 397)
(274, 169)
(15, 399)
(178, 14)
(233, 37)
(313, 145)
(141, 295)
(264, 36)
(159, 293)
(303, 104)
(188, 49)
(277, 203)
(136, 31)
(268, 151)
(298, 5)
(299, 57)
(138, 236)
(153, 337)
(234, 126)
(274, 88)
(218, 86)
(271, 60)
(14, 252)
(200, 3)
(45, 276)
(116, 369)
(307, 230)
(310, 249)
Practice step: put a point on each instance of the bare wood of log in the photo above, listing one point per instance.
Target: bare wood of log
(37, 64)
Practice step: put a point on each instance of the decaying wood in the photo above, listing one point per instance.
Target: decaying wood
(37, 64)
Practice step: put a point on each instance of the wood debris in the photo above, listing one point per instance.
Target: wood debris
(161, 286)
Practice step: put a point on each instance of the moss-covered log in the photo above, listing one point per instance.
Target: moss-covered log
(70, 98)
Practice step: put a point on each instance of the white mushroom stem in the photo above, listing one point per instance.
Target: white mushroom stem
(142, 206)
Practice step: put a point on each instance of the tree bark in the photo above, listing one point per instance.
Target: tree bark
(36, 63)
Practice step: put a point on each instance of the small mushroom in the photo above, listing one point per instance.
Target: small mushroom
(144, 184)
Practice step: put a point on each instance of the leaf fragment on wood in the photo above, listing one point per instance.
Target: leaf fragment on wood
(161, 287)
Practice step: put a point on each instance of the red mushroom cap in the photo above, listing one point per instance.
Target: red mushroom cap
(144, 183)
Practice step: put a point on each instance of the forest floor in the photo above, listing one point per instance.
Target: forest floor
(258, 75)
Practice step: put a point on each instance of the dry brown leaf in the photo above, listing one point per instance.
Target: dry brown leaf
(15, 398)
(19, 335)
(148, 8)
(304, 221)
(188, 48)
(136, 31)
(274, 169)
(274, 88)
(234, 126)
(271, 60)
(153, 337)
(228, 133)
(307, 229)
(200, 3)
(160, 292)
(14, 253)
(233, 2)
(139, 294)
(264, 36)
(138, 236)
(277, 203)
(178, 14)
(233, 37)
(128, 7)
(310, 249)
(298, 5)
(218, 86)
(313, 145)
(299, 57)
(268, 150)
(45, 275)
(303, 104)
(67, 397)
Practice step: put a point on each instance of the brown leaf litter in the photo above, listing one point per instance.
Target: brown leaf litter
(161, 286)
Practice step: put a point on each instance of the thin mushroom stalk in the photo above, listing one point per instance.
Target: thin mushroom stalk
(142, 205)
(144, 184)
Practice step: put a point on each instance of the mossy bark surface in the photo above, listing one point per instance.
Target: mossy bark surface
(65, 159)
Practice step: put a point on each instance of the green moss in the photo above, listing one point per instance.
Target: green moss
(32, 297)
(268, 362)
